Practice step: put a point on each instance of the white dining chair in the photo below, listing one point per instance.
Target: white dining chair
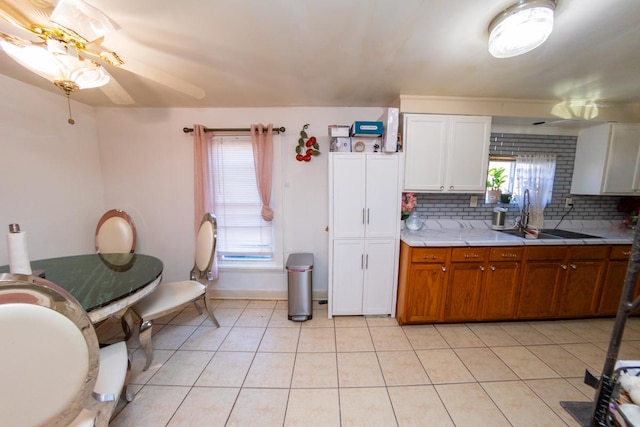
(53, 371)
(172, 296)
(115, 233)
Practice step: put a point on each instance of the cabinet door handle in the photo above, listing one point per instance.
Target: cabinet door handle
(367, 216)
(573, 266)
(362, 262)
(493, 268)
(451, 187)
(564, 267)
(626, 253)
(441, 187)
(363, 215)
(481, 268)
(366, 263)
(443, 268)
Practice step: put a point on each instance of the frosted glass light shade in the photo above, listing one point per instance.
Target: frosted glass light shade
(57, 67)
(521, 28)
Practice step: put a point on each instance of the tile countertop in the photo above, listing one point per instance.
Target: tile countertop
(448, 232)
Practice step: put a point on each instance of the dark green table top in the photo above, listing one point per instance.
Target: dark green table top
(97, 280)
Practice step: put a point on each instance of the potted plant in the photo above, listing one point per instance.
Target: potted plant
(495, 181)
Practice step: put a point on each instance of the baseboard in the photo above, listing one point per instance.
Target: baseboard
(257, 294)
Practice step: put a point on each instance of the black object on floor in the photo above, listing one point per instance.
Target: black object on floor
(322, 301)
(580, 411)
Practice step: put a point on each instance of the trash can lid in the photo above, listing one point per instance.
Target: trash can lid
(300, 261)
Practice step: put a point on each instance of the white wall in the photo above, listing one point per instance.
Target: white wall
(147, 164)
(50, 179)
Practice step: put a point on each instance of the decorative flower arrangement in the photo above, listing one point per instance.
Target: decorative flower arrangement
(307, 146)
(408, 203)
(630, 205)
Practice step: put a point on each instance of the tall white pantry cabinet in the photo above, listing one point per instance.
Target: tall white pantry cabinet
(364, 232)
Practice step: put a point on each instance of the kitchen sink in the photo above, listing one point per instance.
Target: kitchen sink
(550, 233)
(566, 234)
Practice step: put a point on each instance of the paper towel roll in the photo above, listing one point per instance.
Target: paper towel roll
(18, 255)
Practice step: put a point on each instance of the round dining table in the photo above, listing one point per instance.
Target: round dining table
(104, 284)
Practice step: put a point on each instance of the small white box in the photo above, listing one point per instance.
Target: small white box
(341, 144)
(338, 131)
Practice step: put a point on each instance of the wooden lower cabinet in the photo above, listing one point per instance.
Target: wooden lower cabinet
(465, 284)
(507, 283)
(502, 285)
(422, 284)
(614, 281)
(542, 272)
(585, 271)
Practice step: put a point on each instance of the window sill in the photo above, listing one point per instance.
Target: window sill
(249, 265)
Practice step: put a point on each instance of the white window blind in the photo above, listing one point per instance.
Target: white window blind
(242, 233)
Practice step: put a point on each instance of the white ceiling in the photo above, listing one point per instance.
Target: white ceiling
(357, 52)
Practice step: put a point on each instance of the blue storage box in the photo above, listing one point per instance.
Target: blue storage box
(366, 129)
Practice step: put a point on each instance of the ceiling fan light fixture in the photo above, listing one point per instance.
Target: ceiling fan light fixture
(58, 65)
(521, 27)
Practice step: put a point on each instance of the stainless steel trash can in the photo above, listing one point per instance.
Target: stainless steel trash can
(299, 269)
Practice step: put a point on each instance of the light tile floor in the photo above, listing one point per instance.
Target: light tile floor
(260, 369)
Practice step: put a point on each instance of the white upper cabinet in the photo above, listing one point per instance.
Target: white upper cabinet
(607, 160)
(365, 199)
(446, 153)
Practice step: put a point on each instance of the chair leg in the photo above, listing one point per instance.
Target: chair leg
(127, 325)
(207, 304)
(145, 341)
(126, 393)
(198, 309)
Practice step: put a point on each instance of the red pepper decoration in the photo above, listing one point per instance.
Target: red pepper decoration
(307, 146)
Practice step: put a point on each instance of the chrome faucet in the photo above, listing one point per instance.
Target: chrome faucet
(523, 222)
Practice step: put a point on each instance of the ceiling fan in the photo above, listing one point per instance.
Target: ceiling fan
(62, 41)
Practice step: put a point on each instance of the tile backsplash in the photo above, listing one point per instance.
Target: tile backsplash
(456, 206)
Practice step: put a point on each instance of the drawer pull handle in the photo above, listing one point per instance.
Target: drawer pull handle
(509, 255)
(564, 267)
(443, 268)
(573, 266)
(493, 268)
(481, 268)
(430, 257)
(471, 255)
(626, 253)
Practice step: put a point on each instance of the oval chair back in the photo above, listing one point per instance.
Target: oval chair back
(115, 233)
(205, 249)
(50, 353)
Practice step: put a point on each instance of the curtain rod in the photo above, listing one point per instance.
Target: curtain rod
(276, 130)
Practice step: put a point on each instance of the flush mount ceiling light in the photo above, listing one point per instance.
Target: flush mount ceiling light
(521, 27)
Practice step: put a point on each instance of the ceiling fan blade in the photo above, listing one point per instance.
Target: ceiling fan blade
(116, 93)
(11, 14)
(164, 79)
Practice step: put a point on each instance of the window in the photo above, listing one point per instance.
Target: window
(243, 236)
(506, 181)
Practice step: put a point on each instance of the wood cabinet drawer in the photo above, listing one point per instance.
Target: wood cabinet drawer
(506, 254)
(588, 252)
(429, 254)
(545, 253)
(620, 252)
(469, 254)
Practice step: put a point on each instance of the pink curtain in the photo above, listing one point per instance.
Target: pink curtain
(262, 143)
(202, 179)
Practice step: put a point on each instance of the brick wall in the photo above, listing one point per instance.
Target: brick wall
(456, 206)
